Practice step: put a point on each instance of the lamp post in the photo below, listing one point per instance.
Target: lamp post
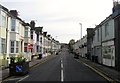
(81, 29)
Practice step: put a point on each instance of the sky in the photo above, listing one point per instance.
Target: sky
(61, 18)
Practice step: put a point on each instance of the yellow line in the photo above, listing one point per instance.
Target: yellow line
(107, 78)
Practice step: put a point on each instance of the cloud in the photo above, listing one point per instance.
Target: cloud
(61, 17)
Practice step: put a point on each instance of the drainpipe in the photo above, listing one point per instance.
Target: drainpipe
(6, 39)
(5, 54)
(101, 46)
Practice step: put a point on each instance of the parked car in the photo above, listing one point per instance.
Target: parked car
(76, 56)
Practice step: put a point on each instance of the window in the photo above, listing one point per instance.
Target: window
(106, 29)
(26, 33)
(17, 24)
(31, 36)
(3, 21)
(41, 40)
(31, 32)
(13, 24)
(37, 37)
(40, 49)
(3, 50)
(12, 46)
(37, 48)
(17, 46)
(25, 47)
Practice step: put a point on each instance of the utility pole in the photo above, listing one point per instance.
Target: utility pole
(81, 30)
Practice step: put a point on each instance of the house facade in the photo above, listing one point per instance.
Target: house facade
(90, 34)
(116, 17)
(16, 37)
(33, 38)
(83, 46)
(4, 15)
(76, 47)
(20, 38)
(108, 45)
(27, 41)
(97, 45)
(38, 31)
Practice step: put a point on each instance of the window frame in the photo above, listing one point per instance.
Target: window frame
(12, 46)
(3, 45)
(13, 24)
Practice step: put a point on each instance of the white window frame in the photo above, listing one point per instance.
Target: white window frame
(17, 46)
(12, 47)
(13, 26)
(3, 23)
(3, 45)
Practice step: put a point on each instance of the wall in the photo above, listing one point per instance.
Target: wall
(110, 30)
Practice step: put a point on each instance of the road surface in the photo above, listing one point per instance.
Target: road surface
(63, 67)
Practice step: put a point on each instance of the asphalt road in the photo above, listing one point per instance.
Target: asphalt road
(63, 67)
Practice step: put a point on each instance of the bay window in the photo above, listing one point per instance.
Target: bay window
(3, 21)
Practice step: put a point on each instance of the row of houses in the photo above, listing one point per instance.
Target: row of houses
(20, 38)
(102, 43)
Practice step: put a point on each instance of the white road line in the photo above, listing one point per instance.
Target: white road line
(13, 79)
(23, 78)
(62, 76)
(61, 60)
(61, 65)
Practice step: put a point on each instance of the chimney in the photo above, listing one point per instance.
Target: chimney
(44, 34)
(14, 13)
(116, 6)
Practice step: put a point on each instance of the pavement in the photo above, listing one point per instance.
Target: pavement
(5, 72)
(107, 71)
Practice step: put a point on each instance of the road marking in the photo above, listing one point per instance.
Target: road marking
(23, 78)
(107, 78)
(13, 79)
(104, 76)
(62, 75)
(61, 64)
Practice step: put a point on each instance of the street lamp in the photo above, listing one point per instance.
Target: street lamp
(81, 29)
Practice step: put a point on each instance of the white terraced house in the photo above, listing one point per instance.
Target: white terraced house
(3, 35)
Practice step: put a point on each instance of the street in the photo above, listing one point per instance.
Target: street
(62, 68)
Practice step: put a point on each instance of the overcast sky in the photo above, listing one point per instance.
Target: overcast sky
(61, 18)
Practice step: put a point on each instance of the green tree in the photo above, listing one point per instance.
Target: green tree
(71, 43)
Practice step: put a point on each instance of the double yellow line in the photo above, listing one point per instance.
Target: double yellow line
(99, 72)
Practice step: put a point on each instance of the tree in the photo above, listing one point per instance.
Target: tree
(71, 43)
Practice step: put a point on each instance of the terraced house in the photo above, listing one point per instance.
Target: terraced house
(20, 38)
(4, 15)
(16, 35)
(116, 17)
(103, 41)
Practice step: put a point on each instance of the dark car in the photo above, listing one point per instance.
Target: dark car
(76, 56)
